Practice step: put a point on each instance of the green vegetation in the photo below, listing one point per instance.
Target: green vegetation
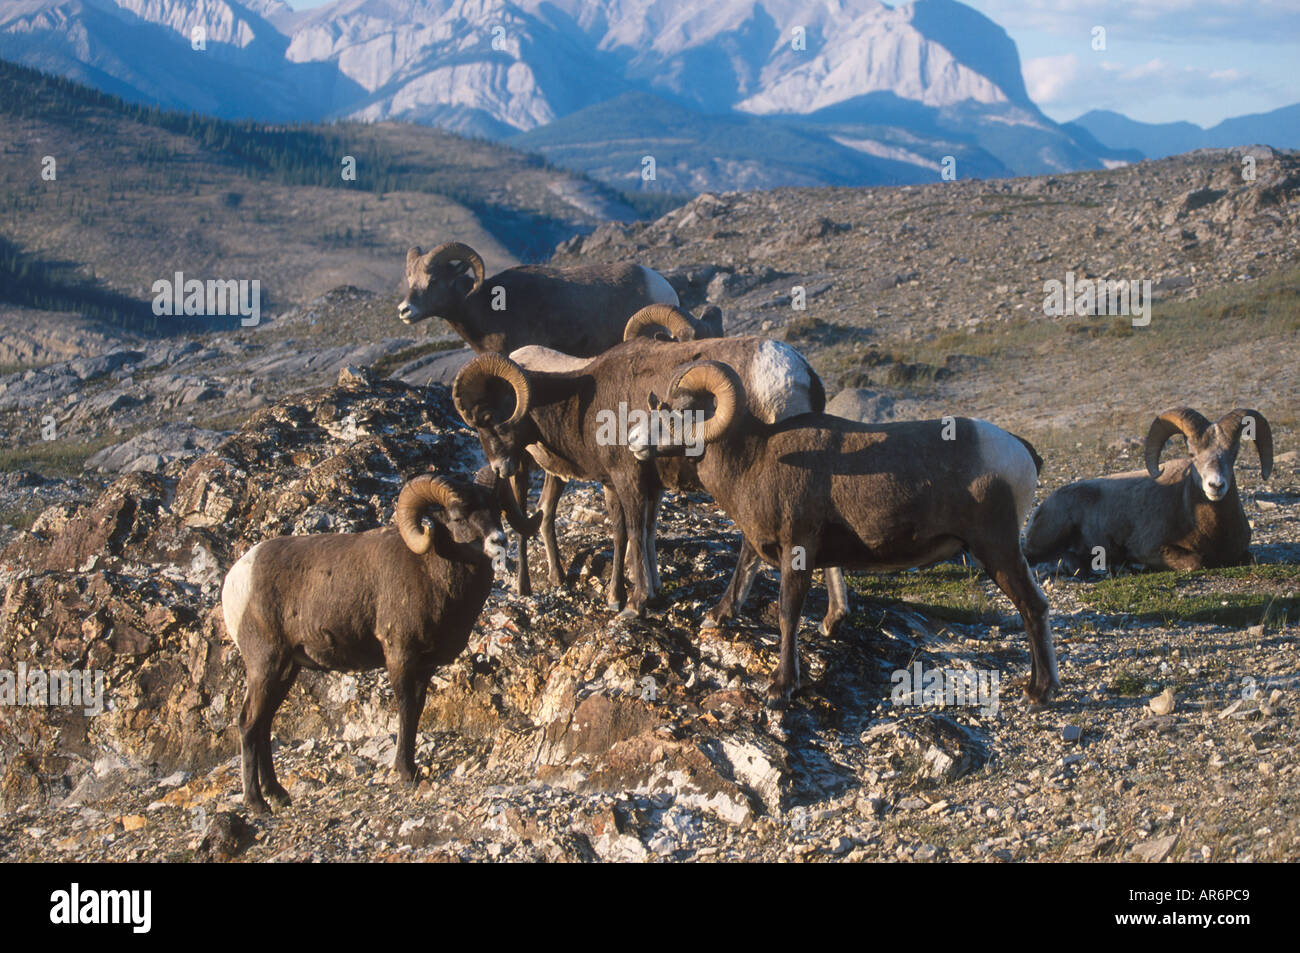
(471, 172)
(1266, 595)
(56, 458)
(391, 362)
(948, 591)
(48, 286)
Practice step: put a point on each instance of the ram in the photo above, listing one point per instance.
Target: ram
(557, 418)
(403, 597)
(818, 490)
(579, 310)
(658, 321)
(1186, 515)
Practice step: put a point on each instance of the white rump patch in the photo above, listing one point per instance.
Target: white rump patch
(534, 357)
(1004, 454)
(779, 383)
(657, 287)
(237, 590)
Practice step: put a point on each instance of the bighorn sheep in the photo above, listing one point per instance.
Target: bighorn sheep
(1186, 515)
(579, 310)
(560, 418)
(403, 597)
(659, 321)
(818, 490)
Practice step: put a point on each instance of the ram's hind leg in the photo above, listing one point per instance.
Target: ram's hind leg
(268, 681)
(837, 594)
(270, 785)
(997, 546)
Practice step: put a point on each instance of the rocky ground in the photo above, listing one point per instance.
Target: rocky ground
(564, 734)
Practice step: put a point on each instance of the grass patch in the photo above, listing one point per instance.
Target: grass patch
(391, 362)
(952, 592)
(56, 458)
(1241, 596)
(19, 519)
(1127, 684)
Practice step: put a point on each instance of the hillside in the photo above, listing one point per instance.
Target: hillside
(139, 194)
(563, 733)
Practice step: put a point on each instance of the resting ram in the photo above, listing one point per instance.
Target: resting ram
(579, 310)
(1185, 515)
(403, 597)
(557, 418)
(818, 490)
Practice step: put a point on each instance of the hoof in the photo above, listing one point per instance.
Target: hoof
(257, 806)
(709, 623)
(779, 693)
(279, 796)
(628, 614)
(1041, 698)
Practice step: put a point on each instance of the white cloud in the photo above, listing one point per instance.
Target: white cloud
(1049, 78)
(1259, 21)
(1107, 83)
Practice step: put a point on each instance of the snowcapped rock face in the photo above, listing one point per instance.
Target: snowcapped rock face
(516, 66)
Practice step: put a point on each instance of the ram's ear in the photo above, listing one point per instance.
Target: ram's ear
(655, 403)
(412, 256)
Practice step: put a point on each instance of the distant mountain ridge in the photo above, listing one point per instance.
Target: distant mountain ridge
(1280, 128)
(863, 93)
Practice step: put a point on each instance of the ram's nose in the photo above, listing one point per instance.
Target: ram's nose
(404, 312)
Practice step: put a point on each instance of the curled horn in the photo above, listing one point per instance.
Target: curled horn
(676, 322)
(470, 389)
(418, 496)
(458, 251)
(718, 379)
(1182, 420)
(1231, 425)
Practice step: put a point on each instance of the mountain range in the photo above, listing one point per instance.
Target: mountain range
(1280, 127)
(731, 94)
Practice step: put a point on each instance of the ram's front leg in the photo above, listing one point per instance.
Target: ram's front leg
(410, 686)
(552, 489)
(742, 580)
(796, 577)
(634, 514)
(519, 485)
(617, 591)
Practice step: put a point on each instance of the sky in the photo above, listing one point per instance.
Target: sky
(1199, 61)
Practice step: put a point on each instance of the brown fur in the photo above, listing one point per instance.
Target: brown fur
(875, 497)
(354, 602)
(581, 311)
(1165, 522)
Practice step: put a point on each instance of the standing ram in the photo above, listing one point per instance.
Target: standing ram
(579, 310)
(818, 490)
(403, 597)
(557, 416)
